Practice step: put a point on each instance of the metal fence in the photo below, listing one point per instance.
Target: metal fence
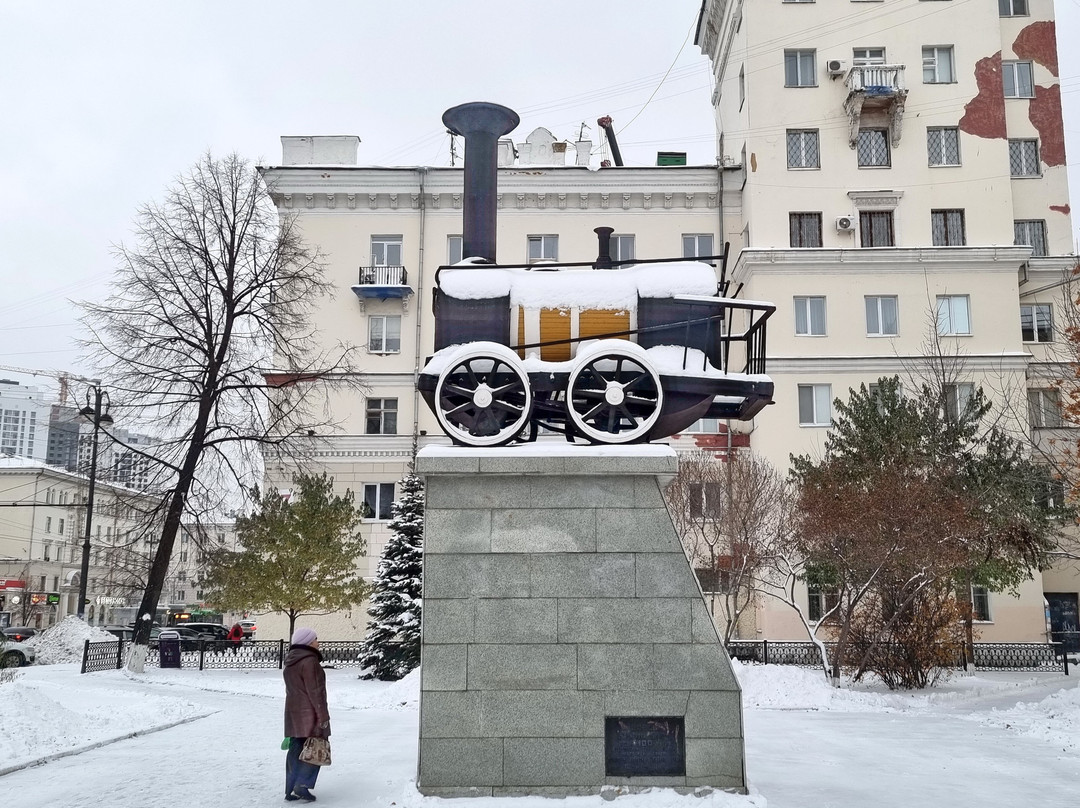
(105, 656)
(1000, 656)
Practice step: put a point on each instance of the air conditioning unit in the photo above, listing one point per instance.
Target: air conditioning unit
(845, 222)
(835, 67)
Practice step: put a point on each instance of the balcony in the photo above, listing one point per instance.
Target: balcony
(383, 283)
(875, 88)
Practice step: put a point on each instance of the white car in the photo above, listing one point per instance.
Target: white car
(16, 654)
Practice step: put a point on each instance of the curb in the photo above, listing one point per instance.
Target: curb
(98, 744)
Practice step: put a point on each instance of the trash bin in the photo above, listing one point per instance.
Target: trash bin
(169, 651)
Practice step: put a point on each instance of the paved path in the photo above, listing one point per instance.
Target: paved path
(795, 759)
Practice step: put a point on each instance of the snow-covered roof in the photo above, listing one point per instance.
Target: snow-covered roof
(579, 288)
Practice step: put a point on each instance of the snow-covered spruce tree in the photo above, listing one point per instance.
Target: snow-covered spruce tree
(392, 646)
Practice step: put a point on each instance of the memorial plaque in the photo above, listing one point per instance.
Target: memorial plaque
(651, 746)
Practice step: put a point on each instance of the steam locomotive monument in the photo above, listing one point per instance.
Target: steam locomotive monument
(566, 644)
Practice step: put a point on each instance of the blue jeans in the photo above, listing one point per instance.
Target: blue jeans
(298, 773)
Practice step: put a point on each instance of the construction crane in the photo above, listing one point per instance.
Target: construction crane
(63, 377)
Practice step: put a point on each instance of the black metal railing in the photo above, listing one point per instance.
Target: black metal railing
(383, 276)
(104, 656)
(1000, 656)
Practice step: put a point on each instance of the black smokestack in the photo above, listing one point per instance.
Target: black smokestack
(603, 256)
(481, 124)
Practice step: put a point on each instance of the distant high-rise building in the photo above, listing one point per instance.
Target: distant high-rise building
(24, 421)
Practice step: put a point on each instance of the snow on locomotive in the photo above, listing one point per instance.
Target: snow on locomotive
(614, 353)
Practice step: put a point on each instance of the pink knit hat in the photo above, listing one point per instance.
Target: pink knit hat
(304, 636)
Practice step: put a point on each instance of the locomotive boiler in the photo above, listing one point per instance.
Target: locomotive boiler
(608, 352)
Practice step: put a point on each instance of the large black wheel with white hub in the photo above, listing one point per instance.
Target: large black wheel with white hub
(483, 396)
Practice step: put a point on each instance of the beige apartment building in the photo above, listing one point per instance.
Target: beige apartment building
(42, 530)
(385, 231)
(894, 180)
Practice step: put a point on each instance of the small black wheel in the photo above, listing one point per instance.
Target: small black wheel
(614, 394)
(12, 659)
(483, 397)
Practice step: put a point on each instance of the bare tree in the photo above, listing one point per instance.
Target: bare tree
(207, 339)
(730, 513)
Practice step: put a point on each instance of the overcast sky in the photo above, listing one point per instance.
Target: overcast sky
(104, 103)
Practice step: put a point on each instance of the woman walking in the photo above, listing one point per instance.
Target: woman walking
(306, 714)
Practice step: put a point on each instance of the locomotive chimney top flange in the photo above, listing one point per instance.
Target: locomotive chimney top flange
(481, 124)
(480, 117)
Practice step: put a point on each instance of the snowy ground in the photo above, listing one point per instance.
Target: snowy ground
(182, 737)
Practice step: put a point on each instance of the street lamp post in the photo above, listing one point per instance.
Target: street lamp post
(93, 413)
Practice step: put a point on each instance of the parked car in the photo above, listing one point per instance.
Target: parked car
(125, 633)
(15, 654)
(249, 628)
(20, 633)
(189, 640)
(216, 636)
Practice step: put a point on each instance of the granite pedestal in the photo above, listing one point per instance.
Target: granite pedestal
(557, 595)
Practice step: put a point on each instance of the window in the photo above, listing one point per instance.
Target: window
(815, 405)
(742, 87)
(799, 69)
(384, 333)
(957, 398)
(622, 248)
(873, 148)
(937, 64)
(705, 500)
(1052, 496)
(1013, 8)
(709, 426)
(810, 316)
(980, 604)
(181, 594)
(543, 248)
(821, 603)
(1024, 158)
(454, 246)
(805, 229)
(1019, 79)
(861, 57)
(802, 148)
(378, 497)
(60, 526)
(381, 416)
(876, 228)
(881, 316)
(48, 524)
(717, 580)
(1037, 322)
(47, 552)
(1044, 409)
(696, 246)
(1031, 232)
(386, 251)
(947, 228)
(943, 145)
(953, 315)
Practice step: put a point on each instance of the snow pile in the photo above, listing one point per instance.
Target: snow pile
(46, 717)
(399, 695)
(787, 687)
(1055, 719)
(64, 642)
